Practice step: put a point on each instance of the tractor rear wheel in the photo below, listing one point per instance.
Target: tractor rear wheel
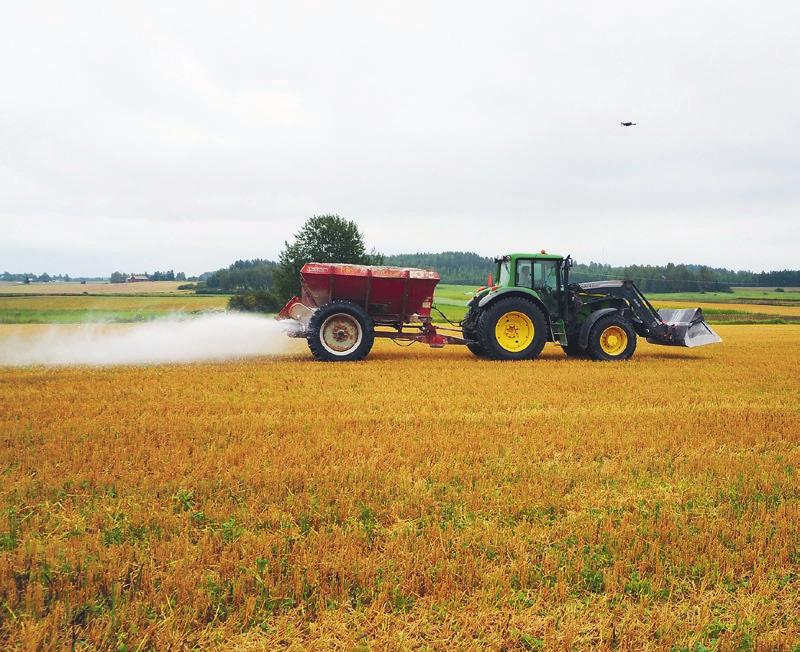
(512, 329)
(340, 331)
(612, 338)
(469, 332)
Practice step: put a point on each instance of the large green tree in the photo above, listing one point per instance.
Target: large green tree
(322, 239)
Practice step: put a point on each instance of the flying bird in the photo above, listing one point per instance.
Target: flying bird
(628, 124)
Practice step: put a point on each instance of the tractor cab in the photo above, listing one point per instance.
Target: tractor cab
(544, 274)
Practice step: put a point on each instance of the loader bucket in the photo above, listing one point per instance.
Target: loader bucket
(686, 328)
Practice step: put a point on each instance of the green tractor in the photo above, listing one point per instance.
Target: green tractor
(533, 302)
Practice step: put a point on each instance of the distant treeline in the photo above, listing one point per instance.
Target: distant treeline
(30, 277)
(258, 275)
(683, 278)
(661, 278)
(469, 268)
(252, 281)
(465, 268)
(460, 267)
(255, 275)
(169, 275)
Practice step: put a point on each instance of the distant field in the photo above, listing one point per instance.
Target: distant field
(737, 296)
(145, 287)
(785, 288)
(730, 308)
(83, 308)
(71, 303)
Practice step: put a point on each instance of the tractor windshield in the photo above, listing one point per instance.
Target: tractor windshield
(505, 273)
(546, 277)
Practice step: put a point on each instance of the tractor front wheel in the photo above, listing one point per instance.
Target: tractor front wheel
(340, 331)
(612, 338)
(512, 329)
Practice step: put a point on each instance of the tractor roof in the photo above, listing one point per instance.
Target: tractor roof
(541, 256)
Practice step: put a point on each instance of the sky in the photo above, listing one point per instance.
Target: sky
(137, 136)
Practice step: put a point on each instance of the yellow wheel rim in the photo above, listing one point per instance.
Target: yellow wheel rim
(614, 340)
(514, 331)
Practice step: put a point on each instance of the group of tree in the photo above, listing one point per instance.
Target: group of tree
(659, 278)
(255, 275)
(9, 277)
(265, 285)
(169, 275)
(683, 278)
(469, 268)
(459, 267)
(784, 277)
(323, 238)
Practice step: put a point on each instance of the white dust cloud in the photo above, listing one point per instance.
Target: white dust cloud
(169, 340)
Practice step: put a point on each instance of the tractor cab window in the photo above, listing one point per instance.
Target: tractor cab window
(550, 275)
(545, 275)
(524, 276)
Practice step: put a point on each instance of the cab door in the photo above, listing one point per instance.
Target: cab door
(546, 284)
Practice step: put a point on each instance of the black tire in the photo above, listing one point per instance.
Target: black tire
(595, 348)
(340, 331)
(468, 330)
(487, 328)
(574, 351)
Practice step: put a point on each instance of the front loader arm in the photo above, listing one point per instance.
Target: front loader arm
(646, 320)
(684, 327)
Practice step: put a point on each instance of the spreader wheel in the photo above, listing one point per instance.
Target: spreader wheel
(340, 331)
(612, 338)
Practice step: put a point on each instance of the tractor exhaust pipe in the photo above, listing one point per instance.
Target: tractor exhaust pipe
(685, 327)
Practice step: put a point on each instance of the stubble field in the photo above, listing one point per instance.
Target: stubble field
(94, 288)
(418, 499)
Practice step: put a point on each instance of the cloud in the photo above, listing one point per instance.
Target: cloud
(183, 136)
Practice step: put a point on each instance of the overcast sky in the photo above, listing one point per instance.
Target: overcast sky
(141, 136)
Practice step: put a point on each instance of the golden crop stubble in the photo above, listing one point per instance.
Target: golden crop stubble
(419, 497)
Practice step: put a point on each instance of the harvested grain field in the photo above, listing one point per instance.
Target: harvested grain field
(90, 287)
(44, 309)
(420, 498)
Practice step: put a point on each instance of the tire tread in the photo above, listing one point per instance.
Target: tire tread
(322, 313)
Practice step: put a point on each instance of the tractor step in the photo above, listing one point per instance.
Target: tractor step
(559, 332)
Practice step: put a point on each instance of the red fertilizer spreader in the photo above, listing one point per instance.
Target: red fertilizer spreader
(342, 308)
